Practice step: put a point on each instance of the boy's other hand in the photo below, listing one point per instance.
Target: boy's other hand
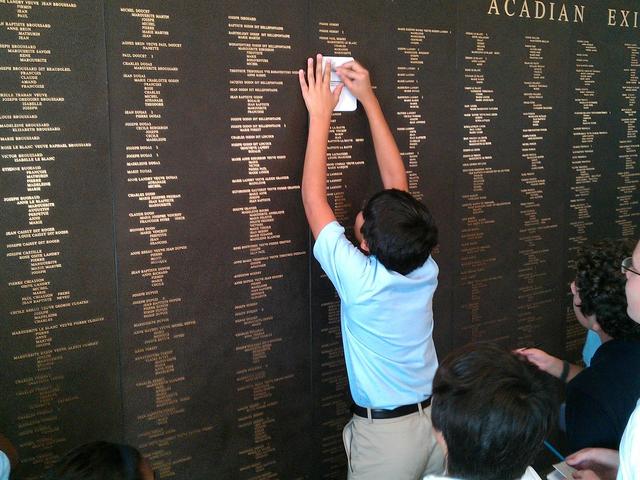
(603, 461)
(356, 79)
(586, 475)
(316, 90)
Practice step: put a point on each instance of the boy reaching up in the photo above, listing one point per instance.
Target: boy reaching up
(386, 292)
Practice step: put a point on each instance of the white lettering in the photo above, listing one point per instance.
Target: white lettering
(624, 22)
(563, 14)
(506, 7)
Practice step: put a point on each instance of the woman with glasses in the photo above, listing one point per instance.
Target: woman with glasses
(630, 446)
(599, 398)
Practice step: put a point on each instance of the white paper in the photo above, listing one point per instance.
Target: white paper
(347, 102)
(565, 470)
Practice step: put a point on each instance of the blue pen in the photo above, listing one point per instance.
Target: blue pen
(553, 450)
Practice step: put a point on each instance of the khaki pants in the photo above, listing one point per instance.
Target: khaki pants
(393, 449)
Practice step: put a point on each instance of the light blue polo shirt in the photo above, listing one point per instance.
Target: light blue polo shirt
(4, 466)
(387, 322)
(591, 344)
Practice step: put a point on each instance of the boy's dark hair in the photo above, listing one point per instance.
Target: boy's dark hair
(399, 230)
(98, 461)
(601, 287)
(494, 411)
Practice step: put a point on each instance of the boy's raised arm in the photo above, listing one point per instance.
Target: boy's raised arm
(392, 170)
(320, 102)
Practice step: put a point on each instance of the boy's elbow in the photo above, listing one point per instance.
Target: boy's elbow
(314, 206)
(305, 196)
(311, 196)
(307, 201)
(310, 204)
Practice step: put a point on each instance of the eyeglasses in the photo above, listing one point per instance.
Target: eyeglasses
(627, 266)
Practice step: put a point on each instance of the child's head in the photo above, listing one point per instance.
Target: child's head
(398, 230)
(492, 410)
(102, 461)
(599, 290)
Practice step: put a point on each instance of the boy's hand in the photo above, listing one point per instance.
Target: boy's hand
(356, 79)
(316, 91)
(542, 360)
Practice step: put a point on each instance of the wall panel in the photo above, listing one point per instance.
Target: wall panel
(158, 285)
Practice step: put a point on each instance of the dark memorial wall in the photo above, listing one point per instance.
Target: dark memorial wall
(157, 281)
(512, 80)
(59, 353)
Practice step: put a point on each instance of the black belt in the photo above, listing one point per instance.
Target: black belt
(379, 413)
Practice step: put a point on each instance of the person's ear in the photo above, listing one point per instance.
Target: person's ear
(363, 246)
(357, 227)
(441, 441)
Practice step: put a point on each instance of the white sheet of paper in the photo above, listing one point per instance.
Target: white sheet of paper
(347, 102)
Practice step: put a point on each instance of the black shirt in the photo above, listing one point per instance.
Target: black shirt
(600, 399)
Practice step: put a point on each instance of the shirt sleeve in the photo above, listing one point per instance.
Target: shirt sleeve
(344, 264)
(630, 448)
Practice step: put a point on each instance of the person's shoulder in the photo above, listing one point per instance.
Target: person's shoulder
(629, 348)
(329, 230)
(332, 240)
(348, 268)
(330, 235)
(617, 353)
(427, 272)
(430, 264)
